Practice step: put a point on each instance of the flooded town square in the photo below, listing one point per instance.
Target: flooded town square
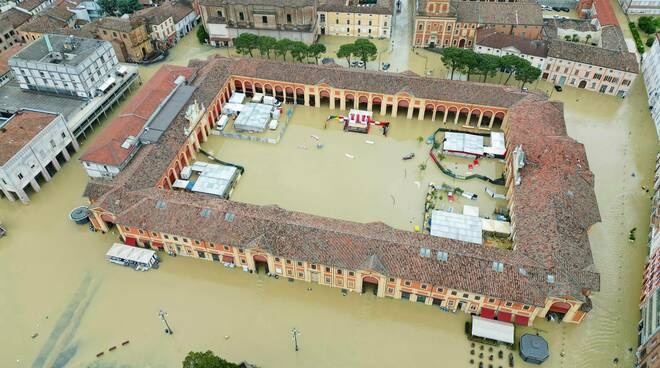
(62, 302)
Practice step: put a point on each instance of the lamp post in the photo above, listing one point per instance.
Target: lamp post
(426, 61)
(295, 333)
(162, 314)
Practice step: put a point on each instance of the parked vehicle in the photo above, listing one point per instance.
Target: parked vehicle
(357, 64)
(386, 66)
(556, 8)
(545, 7)
(558, 88)
(565, 9)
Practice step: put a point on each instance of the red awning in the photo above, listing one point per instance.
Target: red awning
(130, 241)
(560, 307)
(487, 313)
(521, 320)
(158, 245)
(504, 316)
(226, 258)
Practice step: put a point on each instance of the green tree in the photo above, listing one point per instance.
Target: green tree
(587, 38)
(365, 50)
(299, 50)
(282, 47)
(647, 24)
(511, 63)
(265, 44)
(346, 51)
(315, 51)
(245, 43)
(527, 74)
(451, 59)
(469, 62)
(108, 6)
(119, 7)
(650, 40)
(488, 65)
(202, 35)
(206, 359)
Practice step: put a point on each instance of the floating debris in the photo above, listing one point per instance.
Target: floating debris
(125, 343)
(349, 155)
(113, 348)
(302, 146)
(34, 335)
(315, 137)
(319, 145)
(369, 142)
(409, 156)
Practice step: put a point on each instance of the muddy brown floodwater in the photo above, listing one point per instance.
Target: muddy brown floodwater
(55, 281)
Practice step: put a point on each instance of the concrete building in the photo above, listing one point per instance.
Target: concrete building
(5, 71)
(116, 145)
(224, 20)
(185, 19)
(645, 7)
(34, 6)
(355, 18)
(590, 67)
(552, 203)
(651, 73)
(10, 21)
(64, 65)
(649, 324)
(160, 24)
(599, 10)
(500, 44)
(33, 144)
(129, 37)
(40, 25)
(444, 23)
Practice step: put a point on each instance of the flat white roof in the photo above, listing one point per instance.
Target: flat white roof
(456, 226)
(497, 146)
(254, 117)
(494, 226)
(471, 210)
(213, 179)
(128, 253)
(464, 143)
(492, 329)
(237, 98)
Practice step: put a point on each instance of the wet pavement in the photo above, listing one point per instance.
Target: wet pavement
(57, 286)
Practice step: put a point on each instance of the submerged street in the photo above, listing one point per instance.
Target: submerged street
(62, 303)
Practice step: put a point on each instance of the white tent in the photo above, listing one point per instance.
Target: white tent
(132, 254)
(456, 226)
(497, 147)
(463, 144)
(492, 329)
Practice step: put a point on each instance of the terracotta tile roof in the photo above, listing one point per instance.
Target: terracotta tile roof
(344, 6)
(30, 5)
(484, 12)
(180, 11)
(593, 55)
(61, 12)
(106, 148)
(554, 206)
(154, 15)
(14, 18)
(605, 13)
(43, 24)
(612, 38)
(492, 39)
(19, 130)
(5, 55)
(119, 24)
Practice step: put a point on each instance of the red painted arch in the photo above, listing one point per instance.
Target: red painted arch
(325, 93)
(260, 258)
(403, 103)
(349, 97)
(376, 101)
(363, 99)
(370, 280)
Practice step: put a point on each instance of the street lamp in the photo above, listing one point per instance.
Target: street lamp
(426, 61)
(162, 314)
(295, 333)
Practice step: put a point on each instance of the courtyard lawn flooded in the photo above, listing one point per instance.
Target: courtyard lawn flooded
(55, 281)
(353, 176)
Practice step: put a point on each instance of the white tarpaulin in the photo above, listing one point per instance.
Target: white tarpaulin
(462, 143)
(497, 147)
(129, 253)
(492, 329)
(456, 226)
(494, 226)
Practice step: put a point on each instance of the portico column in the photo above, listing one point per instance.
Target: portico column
(45, 173)
(22, 196)
(479, 121)
(467, 121)
(456, 118)
(370, 105)
(204, 136)
(65, 152)
(356, 103)
(492, 120)
(332, 101)
(342, 102)
(74, 143)
(444, 119)
(395, 107)
(421, 113)
(56, 164)
(317, 99)
(8, 194)
(306, 97)
(383, 107)
(433, 115)
(35, 185)
(411, 109)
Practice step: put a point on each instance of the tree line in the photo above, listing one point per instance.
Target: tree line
(362, 48)
(248, 43)
(469, 62)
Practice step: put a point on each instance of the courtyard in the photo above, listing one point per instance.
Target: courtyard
(318, 168)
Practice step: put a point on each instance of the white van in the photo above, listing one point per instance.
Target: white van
(273, 124)
(222, 122)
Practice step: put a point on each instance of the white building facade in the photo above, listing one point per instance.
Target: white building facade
(651, 73)
(70, 66)
(648, 7)
(537, 61)
(21, 166)
(186, 24)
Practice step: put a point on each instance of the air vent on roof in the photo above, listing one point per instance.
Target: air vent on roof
(229, 217)
(129, 142)
(425, 252)
(161, 204)
(442, 256)
(551, 279)
(498, 266)
(522, 271)
(205, 212)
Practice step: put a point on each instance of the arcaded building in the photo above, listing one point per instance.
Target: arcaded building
(549, 192)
